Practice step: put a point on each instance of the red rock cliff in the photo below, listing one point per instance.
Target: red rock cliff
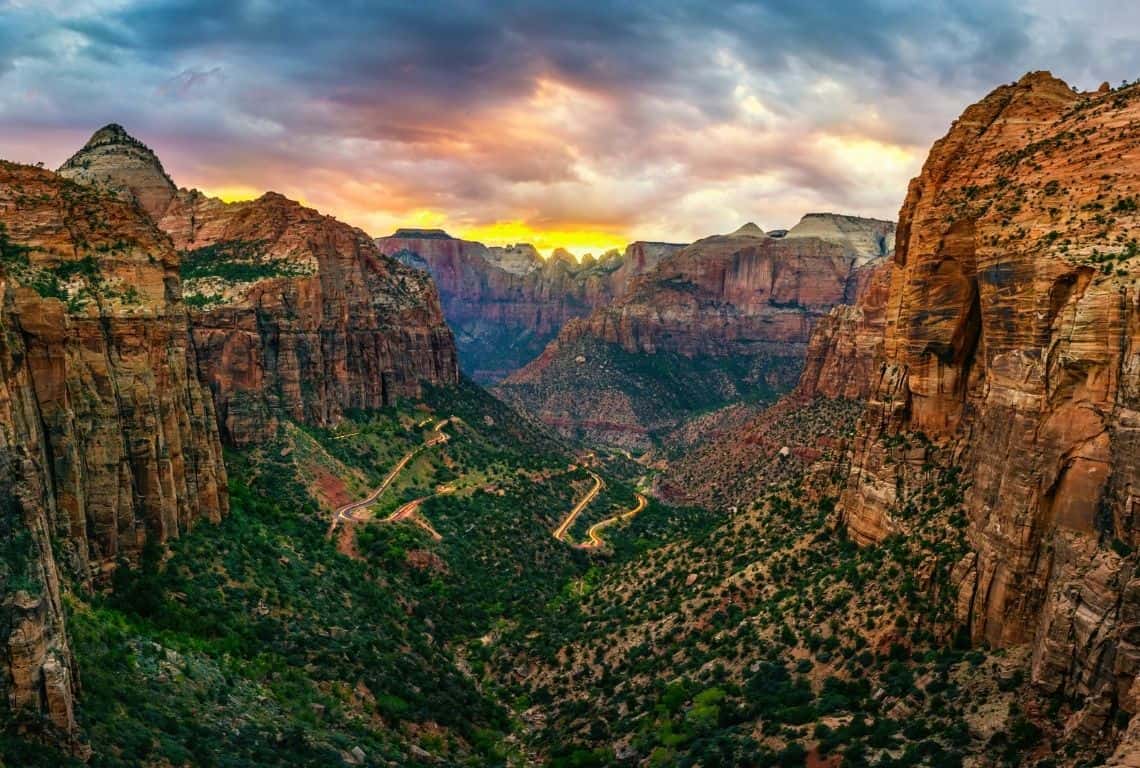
(730, 294)
(107, 439)
(506, 304)
(1013, 339)
(725, 318)
(293, 312)
(845, 350)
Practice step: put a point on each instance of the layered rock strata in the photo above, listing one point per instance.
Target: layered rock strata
(733, 294)
(1012, 340)
(108, 441)
(726, 318)
(506, 304)
(293, 313)
(845, 350)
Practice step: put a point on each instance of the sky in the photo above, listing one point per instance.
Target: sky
(578, 124)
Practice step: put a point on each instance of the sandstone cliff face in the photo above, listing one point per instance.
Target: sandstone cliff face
(506, 304)
(725, 318)
(39, 678)
(301, 315)
(1013, 340)
(107, 439)
(292, 312)
(732, 294)
(845, 350)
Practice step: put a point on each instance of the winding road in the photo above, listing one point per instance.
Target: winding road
(347, 512)
(409, 511)
(564, 526)
(592, 532)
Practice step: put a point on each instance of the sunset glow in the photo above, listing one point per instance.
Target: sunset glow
(546, 240)
(583, 126)
(233, 194)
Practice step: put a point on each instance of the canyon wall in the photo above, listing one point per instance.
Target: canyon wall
(845, 350)
(506, 304)
(732, 294)
(293, 313)
(108, 441)
(1012, 342)
(726, 318)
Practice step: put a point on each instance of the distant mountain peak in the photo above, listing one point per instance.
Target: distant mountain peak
(750, 230)
(112, 133)
(866, 238)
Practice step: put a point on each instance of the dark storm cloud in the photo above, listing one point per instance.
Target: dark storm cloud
(682, 114)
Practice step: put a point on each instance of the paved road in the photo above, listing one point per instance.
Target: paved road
(595, 529)
(564, 526)
(346, 513)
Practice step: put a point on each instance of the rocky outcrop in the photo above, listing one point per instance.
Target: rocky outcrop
(868, 239)
(1013, 342)
(506, 304)
(845, 350)
(293, 313)
(732, 294)
(116, 162)
(733, 312)
(300, 315)
(107, 439)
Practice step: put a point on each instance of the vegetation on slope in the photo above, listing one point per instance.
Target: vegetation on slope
(755, 637)
(770, 639)
(601, 394)
(257, 642)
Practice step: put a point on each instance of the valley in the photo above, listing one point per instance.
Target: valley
(279, 492)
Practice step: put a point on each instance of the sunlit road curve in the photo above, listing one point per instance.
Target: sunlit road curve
(564, 526)
(593, 532)
(410, 510)
(346, 513)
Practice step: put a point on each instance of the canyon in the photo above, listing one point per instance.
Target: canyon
(726, 316)
(505, 303)
(895, 470)
(143, 326)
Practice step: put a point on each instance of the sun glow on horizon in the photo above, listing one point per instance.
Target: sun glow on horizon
(579, 242)
(235, 193)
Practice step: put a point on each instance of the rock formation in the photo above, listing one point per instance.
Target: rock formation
(506, 304)
(107, 439)
(1012, 341)
(292, 312)
(733, 313)
(734, 294)
(867, 238)
(845, 350)
(116, 162)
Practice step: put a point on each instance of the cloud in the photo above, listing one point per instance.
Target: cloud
(657, 119)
